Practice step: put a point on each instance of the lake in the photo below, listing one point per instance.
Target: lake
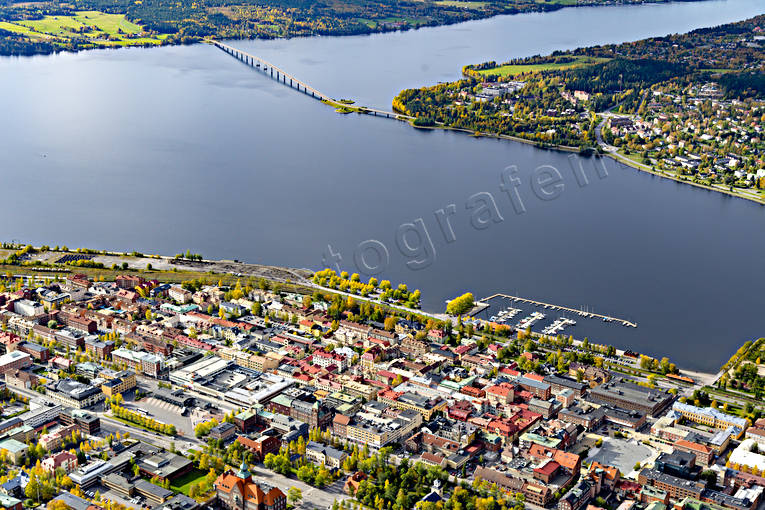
(169, 149)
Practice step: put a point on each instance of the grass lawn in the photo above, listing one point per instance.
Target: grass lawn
(136, 425)
(512, 70)
(636, 157)
(183, 483)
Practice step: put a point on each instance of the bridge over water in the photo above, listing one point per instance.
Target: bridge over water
(288, 79)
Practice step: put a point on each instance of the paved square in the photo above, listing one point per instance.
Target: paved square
(620, 453)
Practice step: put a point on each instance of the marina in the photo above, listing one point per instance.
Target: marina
(530, 320)
(549, 306)
(540, 318)
(558, 326)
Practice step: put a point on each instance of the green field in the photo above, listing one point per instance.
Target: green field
(26, 31)
(513, 70)
(558, 2)
(464, 5)
(183, 483)
(95, 26)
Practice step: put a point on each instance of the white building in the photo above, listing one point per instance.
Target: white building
(745, 455)
(28, 308)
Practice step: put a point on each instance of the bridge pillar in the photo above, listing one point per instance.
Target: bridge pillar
(272, 72)
(291, 83)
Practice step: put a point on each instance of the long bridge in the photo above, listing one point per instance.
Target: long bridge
(283, 76)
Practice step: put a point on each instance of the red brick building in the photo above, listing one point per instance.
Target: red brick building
(129, 282)
(261, 446)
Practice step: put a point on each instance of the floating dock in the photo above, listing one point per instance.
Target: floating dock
(605, 318)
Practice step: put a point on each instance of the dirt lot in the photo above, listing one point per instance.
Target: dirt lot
(165, 268)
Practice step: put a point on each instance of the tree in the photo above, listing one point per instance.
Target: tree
(460, 305)
(294, 495)
(32, 490)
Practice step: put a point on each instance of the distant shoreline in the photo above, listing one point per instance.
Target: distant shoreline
(380, 29)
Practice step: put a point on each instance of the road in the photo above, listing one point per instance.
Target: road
(241, 55)
(110, 425)
(313, 498)
(614, 152)
(436, 316)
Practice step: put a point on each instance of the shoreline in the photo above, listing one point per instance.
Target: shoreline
(475, 16)
(616, 157)
(171, 269)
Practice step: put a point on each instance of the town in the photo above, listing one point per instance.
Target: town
(235, 392)
(684, 107)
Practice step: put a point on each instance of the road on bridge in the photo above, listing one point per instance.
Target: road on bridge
(294, 82)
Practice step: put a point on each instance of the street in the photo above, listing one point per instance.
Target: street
(313, 498)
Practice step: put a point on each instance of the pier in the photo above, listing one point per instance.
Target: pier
(289, 80)
(606, 318)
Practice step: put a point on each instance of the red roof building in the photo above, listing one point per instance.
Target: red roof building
(239, 491)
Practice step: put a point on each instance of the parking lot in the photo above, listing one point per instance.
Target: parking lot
(621, 453)
(166, 413)
(14, 408)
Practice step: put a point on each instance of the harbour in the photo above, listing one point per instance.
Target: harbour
(583, 313)
(548, 319)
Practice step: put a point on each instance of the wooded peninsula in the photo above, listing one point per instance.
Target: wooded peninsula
(689, 107)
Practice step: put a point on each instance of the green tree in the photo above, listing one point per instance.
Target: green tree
(460, 305)
(294, 495)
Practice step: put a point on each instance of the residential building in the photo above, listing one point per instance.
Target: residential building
(14, 360)
(15, 450)
(74, 394)
(86, 422)
(325, 455)
(65, 460)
